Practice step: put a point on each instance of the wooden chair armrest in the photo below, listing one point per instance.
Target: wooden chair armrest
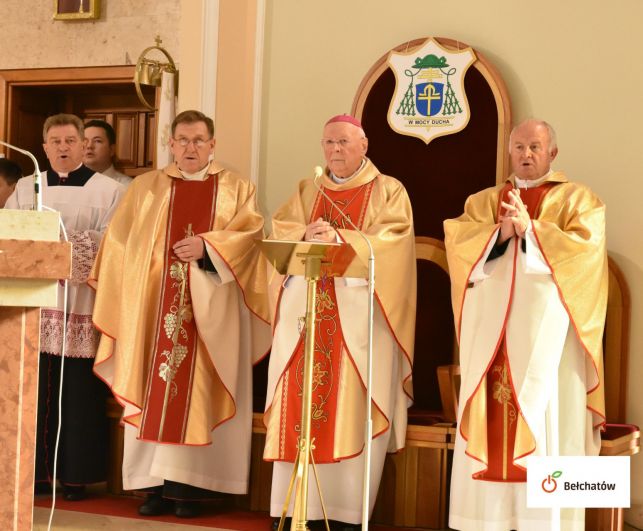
(448, 376)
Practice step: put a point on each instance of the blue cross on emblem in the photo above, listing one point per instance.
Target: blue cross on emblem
(429, 98)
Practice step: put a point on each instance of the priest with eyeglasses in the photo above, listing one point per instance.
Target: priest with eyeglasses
(183, 314)
(379, 205)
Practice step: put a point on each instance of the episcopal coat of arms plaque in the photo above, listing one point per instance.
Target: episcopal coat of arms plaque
(429, 98)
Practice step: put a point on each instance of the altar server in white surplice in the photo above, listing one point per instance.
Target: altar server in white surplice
(101, 149)
(86, 201)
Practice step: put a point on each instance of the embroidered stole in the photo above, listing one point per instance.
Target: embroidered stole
(167, 401)
(502, 406)
(329, 345)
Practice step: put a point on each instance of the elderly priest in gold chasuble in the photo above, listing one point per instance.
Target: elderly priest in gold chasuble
(528, 269)
(182, 309)
(380, 206)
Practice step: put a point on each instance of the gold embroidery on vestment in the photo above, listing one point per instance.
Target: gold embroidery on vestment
(502, 393)
(338, 221)
(180, 312)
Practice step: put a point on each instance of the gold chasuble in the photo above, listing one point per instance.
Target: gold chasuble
(379, 205)
(164, 348)
(568, 230)
(329, 344)
(503, 411)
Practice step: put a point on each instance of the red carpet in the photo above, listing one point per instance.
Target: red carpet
(126, 507)
(227, 518)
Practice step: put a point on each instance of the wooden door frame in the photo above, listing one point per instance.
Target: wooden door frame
(10, 80)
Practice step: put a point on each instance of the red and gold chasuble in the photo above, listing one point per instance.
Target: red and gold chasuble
(165, 412)
(329, 345)
(502, 406)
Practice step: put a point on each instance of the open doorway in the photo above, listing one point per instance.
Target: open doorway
(28, 97)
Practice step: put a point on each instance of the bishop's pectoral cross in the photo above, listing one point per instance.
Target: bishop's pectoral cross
(338, 222)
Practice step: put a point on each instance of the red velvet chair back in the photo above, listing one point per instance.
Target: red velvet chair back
(438, 177)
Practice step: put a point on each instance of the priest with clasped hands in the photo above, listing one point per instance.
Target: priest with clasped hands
(379, 205)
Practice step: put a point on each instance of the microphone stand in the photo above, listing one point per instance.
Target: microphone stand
(37, 182)
(368, 428)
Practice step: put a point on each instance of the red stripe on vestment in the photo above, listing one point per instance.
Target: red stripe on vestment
(329, 344)
(169, 386)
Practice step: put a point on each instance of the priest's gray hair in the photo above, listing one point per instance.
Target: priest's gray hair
(63, 119)
(553, 143)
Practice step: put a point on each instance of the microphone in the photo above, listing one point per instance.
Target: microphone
(37, 183)
(368, 428)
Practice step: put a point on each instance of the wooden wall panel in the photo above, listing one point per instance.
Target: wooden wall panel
(126, 127)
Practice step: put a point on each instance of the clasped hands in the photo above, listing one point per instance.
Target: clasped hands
(515, 219)
(193, 247)
(320, 230)
(189, 249)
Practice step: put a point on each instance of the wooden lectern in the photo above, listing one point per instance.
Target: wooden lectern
(32, 260)
(311, 260)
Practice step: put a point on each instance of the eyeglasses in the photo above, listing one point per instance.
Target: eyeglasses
(329, 143)
(198, 143)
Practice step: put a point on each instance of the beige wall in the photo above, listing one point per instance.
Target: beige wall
(234, 67)
(30, 38)
(574, 63)
(190, 37)
(235, 84)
